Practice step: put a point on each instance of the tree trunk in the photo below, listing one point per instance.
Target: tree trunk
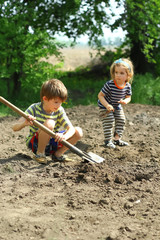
(141, 65)
(8, 86)
(16, 83)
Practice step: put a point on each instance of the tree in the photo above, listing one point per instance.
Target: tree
(28, 29)
(141, 20)
(27, 33)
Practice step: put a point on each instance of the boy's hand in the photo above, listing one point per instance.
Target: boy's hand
(59, 137)
(23, 122)
(30, 121)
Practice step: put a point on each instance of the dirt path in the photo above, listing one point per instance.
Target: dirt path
(115, 200)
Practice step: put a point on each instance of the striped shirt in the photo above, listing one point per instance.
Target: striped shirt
(60, 118)
(113, 94)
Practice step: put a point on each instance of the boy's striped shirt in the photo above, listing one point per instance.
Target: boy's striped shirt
(60, 118)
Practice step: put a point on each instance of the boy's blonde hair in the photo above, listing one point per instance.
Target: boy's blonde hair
(127, 64)
(53, 88)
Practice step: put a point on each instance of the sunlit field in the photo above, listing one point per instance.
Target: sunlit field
(75, 57)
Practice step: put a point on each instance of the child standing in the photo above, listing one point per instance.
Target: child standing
(112, 96)
(50, 113)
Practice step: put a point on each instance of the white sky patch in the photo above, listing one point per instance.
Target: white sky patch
(108, 34)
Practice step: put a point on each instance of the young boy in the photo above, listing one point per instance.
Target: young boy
(50, 113)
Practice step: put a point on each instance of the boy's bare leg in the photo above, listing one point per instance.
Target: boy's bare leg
(43, 137)
(43, 140)
(73, 140)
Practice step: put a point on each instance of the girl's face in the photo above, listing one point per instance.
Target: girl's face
(120, 75)
(51, 105)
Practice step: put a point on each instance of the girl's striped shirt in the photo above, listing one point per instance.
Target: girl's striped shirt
(113, 93)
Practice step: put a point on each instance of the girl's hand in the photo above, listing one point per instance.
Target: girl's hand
(122, 101)
(125, 101)
(110, 108)
(59, 137)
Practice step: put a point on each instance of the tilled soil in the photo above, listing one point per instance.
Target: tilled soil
(114, 200)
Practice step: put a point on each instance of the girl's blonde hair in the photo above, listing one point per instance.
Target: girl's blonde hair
(53, 88)
(127, 64)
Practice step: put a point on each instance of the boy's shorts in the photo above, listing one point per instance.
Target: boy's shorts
(51, 148)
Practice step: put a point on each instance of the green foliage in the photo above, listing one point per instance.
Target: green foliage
(27, 35)
(20, 60)
(157, 59)
(83, 89)
(5, 111)
(110, 56)
(30, 90)
(141, 21)
(146, 89)
(28, 29)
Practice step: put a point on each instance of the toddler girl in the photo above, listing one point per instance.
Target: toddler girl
(112, 96)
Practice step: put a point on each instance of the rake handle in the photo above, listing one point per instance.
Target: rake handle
(41, 126)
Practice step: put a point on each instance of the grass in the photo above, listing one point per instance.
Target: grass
(5, 111)
(146, 89)
(83, 83)
(83, 90)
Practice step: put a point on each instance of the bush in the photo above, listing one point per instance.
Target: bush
(83, 88)
(146, 89)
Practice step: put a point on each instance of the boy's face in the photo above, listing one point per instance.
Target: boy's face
(52, 105)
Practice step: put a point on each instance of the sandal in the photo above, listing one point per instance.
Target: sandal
(62, 158)
(41, 158)
(121, 143)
